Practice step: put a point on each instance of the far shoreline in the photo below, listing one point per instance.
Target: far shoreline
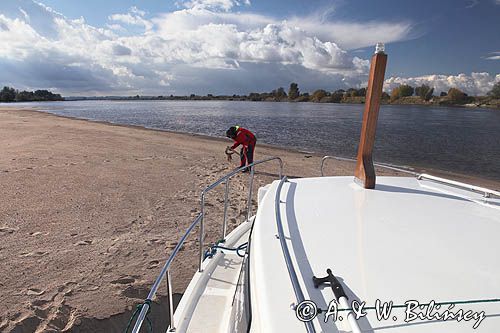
(153, 99)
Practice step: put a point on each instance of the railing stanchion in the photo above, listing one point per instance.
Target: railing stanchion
(224, 224)
(154, 288)
(249, 207)
(170, 302)
(202, 230)
(323, 163)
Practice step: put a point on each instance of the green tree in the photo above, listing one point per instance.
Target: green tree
(361, 92)
(424, 92)
(254, 97)
(429, 94)
(293, 92)
(318, 95)
(45, 95)
(279, 94)
(405, 90)
(495, 92)
(337, 96)
(25, 96)
(395, 94)
(351, 92)
(7, 94)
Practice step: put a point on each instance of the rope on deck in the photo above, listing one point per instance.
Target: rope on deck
(138, 310)
(212, 250)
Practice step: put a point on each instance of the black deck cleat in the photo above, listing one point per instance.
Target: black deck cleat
(338, 291)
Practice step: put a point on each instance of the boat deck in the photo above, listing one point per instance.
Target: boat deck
(204, 308)
(218, 294)
(407, 239)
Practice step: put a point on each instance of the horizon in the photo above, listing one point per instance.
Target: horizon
(231, 47)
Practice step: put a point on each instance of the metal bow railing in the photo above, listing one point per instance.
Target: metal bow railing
(199, 220)
(381, 165)
(486, 192)
(299, 295)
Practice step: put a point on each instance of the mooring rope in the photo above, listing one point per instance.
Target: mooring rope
(137, 310)
(212, 250)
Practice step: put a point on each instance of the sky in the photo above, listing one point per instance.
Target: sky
(126, 47)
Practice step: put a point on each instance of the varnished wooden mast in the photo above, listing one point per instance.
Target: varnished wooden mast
(365, 172)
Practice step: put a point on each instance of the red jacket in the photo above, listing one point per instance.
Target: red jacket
(244, 137)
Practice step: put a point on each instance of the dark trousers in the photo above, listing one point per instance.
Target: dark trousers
(246, 155)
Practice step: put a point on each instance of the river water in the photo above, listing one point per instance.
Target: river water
(462, 140)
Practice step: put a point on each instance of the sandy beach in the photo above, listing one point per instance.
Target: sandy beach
(90, 211)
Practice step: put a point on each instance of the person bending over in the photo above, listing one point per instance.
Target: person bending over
(247, 140)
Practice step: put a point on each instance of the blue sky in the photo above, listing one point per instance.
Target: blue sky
(238, 46)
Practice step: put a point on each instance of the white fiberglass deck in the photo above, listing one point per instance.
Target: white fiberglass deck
(207, 302)
(405, 240)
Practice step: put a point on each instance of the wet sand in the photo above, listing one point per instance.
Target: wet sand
(90, 211)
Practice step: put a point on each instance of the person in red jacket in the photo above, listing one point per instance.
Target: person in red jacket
(247, 140)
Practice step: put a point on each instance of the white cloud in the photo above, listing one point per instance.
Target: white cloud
(224, 5)
(116, 27)
(205, 36)
(137, 11)
(203, 47)
(472, 3)
(474, 84)
(353, 35)
(135, 16)
(26, 16)
(493, 55)
(347, 35)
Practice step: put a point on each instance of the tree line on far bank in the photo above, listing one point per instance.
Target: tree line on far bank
(403, 94)
(8, 94)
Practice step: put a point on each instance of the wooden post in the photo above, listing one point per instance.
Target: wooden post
(365, 172)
